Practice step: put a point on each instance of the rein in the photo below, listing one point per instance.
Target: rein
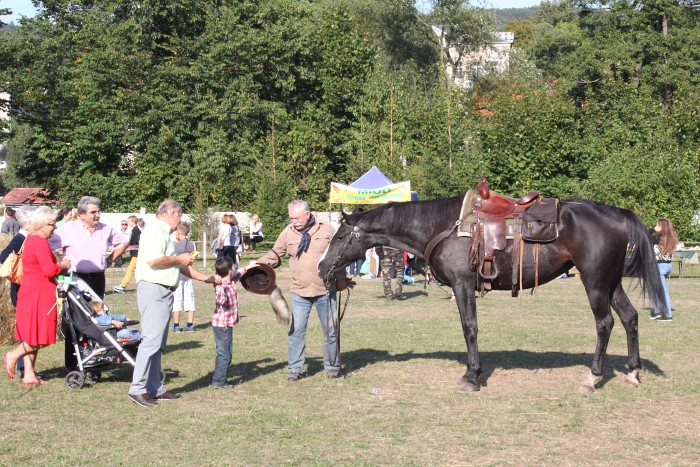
(334, 319)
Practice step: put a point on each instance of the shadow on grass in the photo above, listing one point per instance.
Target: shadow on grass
(505, 359)
(185, 345)
(238, 374)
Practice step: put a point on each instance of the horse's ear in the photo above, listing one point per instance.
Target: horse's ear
(346, 218)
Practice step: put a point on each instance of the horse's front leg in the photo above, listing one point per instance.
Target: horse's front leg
(466, 302)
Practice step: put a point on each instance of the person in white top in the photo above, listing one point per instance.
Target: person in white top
(256, 234)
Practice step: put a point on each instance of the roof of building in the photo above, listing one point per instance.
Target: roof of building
(22, 196)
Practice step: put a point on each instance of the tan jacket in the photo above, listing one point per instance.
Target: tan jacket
(305, 279)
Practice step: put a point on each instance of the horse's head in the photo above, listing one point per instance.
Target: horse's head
(346, 246)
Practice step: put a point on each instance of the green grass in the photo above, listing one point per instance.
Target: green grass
(400, 403)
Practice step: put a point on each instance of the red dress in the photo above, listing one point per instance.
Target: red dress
(36, 299)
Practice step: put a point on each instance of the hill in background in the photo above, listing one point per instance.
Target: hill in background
(506, 15)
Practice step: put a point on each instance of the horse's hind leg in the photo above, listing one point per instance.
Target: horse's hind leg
(599, 299)
(630, 321)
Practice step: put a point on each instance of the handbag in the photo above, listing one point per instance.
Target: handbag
(11, 269)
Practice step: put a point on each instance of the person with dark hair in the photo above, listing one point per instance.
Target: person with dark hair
(86, 242)
(10, 225)
(234, 240)
(665, 239)
(224, 319)
(63, 216)
(157, 272)
(133, 248)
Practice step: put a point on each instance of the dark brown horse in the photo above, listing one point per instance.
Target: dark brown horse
(602, 242)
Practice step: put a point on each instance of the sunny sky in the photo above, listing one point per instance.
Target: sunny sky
(25, 7)
(19, 8)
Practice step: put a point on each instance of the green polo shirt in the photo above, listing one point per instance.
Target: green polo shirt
(155, 242)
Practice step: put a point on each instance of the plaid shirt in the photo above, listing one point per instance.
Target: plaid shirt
(226, 310)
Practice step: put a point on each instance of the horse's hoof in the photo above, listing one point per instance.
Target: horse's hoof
(631, 383)
(632, 379)
(466, 386)
(585, 388)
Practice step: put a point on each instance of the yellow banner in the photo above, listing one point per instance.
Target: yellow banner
(344, 194)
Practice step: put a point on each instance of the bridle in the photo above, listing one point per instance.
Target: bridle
(355, 234)
(334, 318)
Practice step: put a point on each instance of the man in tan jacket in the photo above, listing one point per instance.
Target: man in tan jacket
(305, 240)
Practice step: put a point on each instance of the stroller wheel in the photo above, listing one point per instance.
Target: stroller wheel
(93, 376)
(75, 380)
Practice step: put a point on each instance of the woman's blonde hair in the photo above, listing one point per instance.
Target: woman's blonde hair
(43, 215)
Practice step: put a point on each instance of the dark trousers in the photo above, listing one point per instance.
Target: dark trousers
(96, 281)
(223, 336)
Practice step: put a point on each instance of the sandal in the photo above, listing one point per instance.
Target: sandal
(9, 369)
(38, 382)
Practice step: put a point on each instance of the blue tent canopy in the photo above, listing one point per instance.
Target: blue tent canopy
(374, 178)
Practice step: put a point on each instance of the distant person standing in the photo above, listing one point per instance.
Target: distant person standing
(392, 261)
(184, 294)
(63, 216)
(133, 249)
(10, 225)
(665, 239)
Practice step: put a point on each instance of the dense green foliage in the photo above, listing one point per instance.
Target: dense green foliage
(245, 104)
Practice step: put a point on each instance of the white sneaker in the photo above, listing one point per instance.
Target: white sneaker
(118, 289)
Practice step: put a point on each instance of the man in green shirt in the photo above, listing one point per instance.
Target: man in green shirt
(157, 270)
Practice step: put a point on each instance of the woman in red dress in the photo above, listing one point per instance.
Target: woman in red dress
(37, 312)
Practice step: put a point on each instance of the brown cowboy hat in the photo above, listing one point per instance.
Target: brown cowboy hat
(260, 279)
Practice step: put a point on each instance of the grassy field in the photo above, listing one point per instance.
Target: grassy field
(399, 404)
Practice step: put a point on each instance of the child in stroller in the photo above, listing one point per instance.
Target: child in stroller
(95, 346)
(107, 320)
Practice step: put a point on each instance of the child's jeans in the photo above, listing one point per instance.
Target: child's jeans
(223, 336)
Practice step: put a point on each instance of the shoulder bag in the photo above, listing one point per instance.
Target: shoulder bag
(11, 269)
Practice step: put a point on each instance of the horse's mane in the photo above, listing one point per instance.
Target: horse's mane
(404, 215)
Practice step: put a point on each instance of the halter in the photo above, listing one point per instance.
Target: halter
(346, 243)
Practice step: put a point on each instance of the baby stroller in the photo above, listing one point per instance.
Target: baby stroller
(95, 347)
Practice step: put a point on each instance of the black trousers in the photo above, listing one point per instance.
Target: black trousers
(96, 281)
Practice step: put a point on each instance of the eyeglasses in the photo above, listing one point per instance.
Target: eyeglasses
(52, 224)
(123, 225)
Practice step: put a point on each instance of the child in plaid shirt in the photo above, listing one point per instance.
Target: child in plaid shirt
(225, 317)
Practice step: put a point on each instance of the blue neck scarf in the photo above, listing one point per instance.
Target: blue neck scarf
(305, 237)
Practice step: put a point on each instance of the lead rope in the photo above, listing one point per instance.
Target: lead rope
(333, 318)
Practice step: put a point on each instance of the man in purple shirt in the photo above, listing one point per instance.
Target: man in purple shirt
(85, 242)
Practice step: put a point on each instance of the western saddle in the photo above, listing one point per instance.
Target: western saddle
(491, 210)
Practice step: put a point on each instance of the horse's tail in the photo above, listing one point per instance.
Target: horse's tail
(641, 262)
